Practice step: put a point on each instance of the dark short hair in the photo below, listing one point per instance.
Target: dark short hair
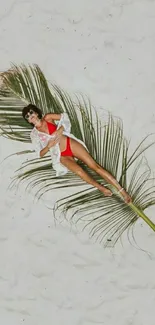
(27, 108)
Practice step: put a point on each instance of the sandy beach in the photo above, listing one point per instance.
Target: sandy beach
(54, 273)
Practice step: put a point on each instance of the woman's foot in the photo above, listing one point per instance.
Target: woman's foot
(106, 191)
(126, 197)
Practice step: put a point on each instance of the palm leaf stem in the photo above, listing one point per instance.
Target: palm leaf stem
(142, 215)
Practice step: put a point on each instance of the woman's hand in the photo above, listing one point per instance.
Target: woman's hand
(54, 141)
(58, 132)
(56, 137)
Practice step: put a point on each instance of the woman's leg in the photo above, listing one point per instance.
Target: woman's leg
(71, 164)
(81, 153)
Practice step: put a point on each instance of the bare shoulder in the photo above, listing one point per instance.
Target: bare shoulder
(51, 116)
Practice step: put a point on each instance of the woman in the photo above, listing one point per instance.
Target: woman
(51, 133)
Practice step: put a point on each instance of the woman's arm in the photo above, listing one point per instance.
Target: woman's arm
(44, 151)
(38, 148)
(50, 117)
(62, 125)
(51, 143)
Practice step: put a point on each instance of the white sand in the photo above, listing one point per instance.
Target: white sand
(55, 275)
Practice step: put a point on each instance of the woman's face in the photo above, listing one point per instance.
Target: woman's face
(32, 117)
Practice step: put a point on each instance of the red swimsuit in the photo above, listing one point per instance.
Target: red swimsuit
(67, 152)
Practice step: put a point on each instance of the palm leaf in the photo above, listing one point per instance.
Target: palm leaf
(106, 217)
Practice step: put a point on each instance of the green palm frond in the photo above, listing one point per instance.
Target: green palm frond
(106, 217)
